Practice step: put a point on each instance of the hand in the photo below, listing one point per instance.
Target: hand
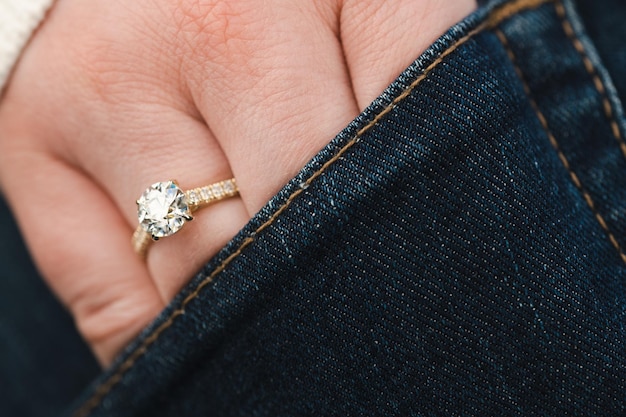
(111, 96)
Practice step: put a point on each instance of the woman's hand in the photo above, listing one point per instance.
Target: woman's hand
(112, 96)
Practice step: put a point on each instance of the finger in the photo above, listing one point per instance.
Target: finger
(381, 38)
(80, 242)
(270, 80)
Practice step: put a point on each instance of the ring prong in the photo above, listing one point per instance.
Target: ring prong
(188, 217)
(155, 238)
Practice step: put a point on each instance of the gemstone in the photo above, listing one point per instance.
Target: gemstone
(217, 190)
(206, 194)
(193, 197)
(229, 187)
(163, 209)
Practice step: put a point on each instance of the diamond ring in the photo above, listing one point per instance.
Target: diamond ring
(164, 208)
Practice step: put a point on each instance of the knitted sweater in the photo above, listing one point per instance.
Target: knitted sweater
(18, 20)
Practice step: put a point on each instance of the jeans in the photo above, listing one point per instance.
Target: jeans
(457, 250)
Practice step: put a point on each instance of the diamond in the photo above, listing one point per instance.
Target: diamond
(217, 190)
(163, 209)
(193, 197)
(206, 194)
(229, 187)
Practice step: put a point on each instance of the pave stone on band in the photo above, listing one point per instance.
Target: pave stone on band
(164, 208)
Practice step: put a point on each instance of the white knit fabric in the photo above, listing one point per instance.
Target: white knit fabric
(18, 20)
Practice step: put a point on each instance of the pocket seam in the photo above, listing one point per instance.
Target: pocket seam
(553, 141)
(607, 107)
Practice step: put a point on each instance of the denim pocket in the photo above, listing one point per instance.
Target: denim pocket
(435, 258)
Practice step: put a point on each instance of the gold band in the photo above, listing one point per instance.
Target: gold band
(192, 200)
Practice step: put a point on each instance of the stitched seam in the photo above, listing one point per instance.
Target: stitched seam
(496, 17)
(557, 147)
(591, 69)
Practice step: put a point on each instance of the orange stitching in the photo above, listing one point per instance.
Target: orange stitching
(510, 9)
(597, 82)
(557, 147)
(495, 18)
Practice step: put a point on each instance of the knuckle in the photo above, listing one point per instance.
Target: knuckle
(366, 11)
(108, 73)
(216, 29)
(109, 64)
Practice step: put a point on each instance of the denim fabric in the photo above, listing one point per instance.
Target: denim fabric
(456, 250)
(604, 22)
(43, 362)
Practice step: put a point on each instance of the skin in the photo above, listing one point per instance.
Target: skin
(111, 96)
